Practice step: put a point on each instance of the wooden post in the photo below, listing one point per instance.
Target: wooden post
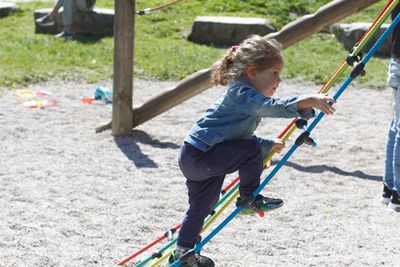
(122, 113)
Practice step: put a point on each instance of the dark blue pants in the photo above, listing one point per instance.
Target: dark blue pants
(205, 173)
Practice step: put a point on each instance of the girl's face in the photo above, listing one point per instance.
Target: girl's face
(266, 81)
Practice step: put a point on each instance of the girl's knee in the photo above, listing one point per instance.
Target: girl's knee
(198, 213)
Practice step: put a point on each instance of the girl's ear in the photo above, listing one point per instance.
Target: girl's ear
(251, 72)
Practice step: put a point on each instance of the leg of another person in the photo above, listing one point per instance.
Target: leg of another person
(69, 9)
(83, 6)
(48, 19)
(389, 172)
(396, 149)
(54, 12)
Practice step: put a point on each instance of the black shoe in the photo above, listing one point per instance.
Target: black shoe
(394, 203)
(251, 205)
(190, 259)
(65, 35)
(45, 21)
(386, 195)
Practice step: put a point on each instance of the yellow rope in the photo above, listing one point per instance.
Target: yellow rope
(163, 258)
(360, 46)
(226, 204)
(376, 27)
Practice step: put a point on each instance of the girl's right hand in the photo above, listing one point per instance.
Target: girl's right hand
(321, 103)
(318, 101)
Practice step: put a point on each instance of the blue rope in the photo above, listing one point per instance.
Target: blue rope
(365, 60)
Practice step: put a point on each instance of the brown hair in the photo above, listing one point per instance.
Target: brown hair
(255, 51)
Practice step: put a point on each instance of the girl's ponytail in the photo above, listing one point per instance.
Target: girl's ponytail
(221, 69)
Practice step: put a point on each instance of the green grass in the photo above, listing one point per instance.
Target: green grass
(161, 51)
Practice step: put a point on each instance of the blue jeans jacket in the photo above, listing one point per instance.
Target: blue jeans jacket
(236, 115)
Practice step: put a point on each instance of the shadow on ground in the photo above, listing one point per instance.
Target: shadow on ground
(129, 146)
(336, 170)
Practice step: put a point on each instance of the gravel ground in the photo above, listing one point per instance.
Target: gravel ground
(71, 197)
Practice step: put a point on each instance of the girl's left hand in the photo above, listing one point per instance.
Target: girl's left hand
(278, 145)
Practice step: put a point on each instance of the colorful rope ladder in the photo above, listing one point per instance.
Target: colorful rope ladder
(356, 60)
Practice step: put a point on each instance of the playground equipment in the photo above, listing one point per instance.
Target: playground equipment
(356, 60)
(125, 117)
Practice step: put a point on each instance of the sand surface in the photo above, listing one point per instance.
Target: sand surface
(71, 197)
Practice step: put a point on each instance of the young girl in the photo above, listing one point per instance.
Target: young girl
(222, 140)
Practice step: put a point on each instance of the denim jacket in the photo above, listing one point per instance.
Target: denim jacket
(236, 115)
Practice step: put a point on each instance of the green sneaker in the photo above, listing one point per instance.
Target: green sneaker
(191, 259)
(258, 205)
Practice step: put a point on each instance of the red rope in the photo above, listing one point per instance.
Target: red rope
(159, 239)
(229, 186)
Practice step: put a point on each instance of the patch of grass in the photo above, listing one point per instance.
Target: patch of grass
(30, 58)
(161, 51)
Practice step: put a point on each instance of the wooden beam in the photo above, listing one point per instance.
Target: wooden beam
(322, 18)
(124, 25)
(287, 36)
(187, 88)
